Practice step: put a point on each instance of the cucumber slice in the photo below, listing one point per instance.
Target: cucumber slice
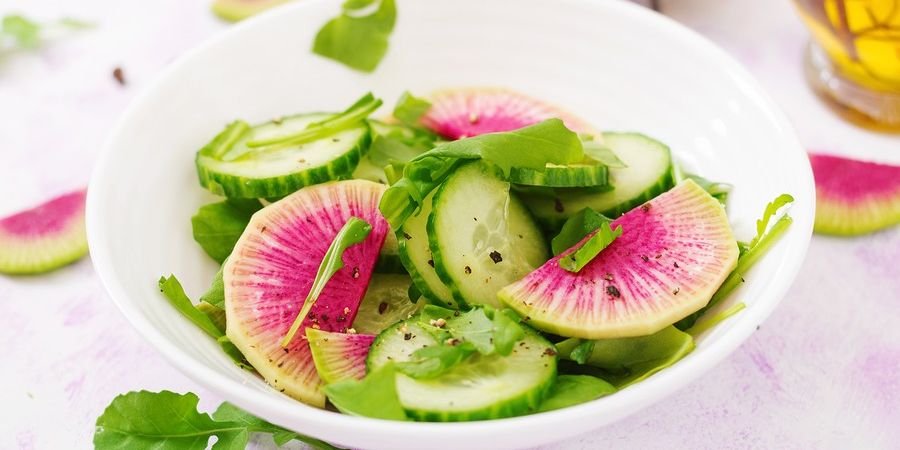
(386, 303)
(481, 387)
(226, 166)
(481, 235)
(648, 174)
(573, 175)
(416, 256)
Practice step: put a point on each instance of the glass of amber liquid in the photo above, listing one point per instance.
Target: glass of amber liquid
(853, 60)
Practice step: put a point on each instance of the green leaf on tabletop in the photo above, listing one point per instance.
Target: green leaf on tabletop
(226, 412)
(358, 38)
(625, 361)
(350, 117)
(435, 360)
(507, 331)
(547, 142)
(374, 396)
(353, 232)
(576, 228)
(216, 294)
(410, 109)
(171, 288)
(572, 390)
(602, 154)
(218, 226)
(25, 32)
(582, 351)
(576, 260)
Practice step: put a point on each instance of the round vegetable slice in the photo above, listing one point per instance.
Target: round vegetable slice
(557, 176)
(416, 256)
(481, 236)
(339, 356)
(480, 387)
(855, 197)
(386, 303)
(226, 166)
(674, 253)
(648, 173)
(45, 237)
(272, 268)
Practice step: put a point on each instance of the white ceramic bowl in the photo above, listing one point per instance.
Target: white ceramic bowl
(618, 65)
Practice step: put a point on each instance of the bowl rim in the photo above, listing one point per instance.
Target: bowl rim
(624, 403)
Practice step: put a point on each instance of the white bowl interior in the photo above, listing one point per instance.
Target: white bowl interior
(618, 66)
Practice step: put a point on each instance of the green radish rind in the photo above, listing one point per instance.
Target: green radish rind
(573, 175)
(415, 257)
(221, 177)
(647, 159)
(528, 250)
(533, 358)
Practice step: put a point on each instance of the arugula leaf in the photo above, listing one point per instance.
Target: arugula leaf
(386, 150)
(547, 142)
(486, 329)
(602, 154)
(216, 294)
(626, 361)
(215, 314)
(353, 232)
(410, 109)
(575, 389)
(576, 260)
(507, 331)
(25, 32)
(171, 288)
(719, 191)
(350, 117)
(582, 351)
(356, 39)
(374, 396)
(749, 255)
(706, 324)
(473, 327)
(167, 420)
(218, 226)
(435, 360)
(575, 229)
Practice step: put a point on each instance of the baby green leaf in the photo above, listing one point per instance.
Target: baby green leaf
(547, 142)
(576, 260)
(719, 191)
(410, 109)
(218, 226)
(602, 154)
(507, 331)
(575, 389)
(582, 351)
(226, 412)
(374, 396)
(706, 324)
(356, 39)
(348, 118)
(473, 327)
(576, 228)
(216, 294)
(353, 232)
(435, 360)
(763, 223)
(171, 288)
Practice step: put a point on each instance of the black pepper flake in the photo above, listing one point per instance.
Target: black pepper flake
(335, 140)
(676, 264)
(676, 291)
(455, 313)
(613, 291)
(277, 120)
(263, 229)
(431, 262)
(341, 318)
(281, 364)
(496, 257)
(658, 256)
(355, 273)
(287, 350)
(325, 317)
(645, 207)
(407, 236)
(475, 218)
(467, 269)
(526, 318)
(645, 258)
(557, 205)
(382, 307)
(407, 336)
(119, 76)
(549, 352)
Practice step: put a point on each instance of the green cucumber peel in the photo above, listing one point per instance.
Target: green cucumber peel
(575, 261)
(353, 232)
(548, 142)
(349, 118)
(358, 37)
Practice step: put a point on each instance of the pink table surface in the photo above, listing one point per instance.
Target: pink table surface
(822, 372)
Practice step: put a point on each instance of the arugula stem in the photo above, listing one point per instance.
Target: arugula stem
(704, 325)
(318, 130)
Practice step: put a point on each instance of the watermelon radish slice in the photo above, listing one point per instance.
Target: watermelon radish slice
(339, 356)
(272, 268)
(854, 197)
(461, 113)
(45, 237)
(674, 252)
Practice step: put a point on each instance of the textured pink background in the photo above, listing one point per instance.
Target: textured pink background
(823, 372)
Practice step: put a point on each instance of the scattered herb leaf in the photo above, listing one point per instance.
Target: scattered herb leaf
(507, 331)
(576, 260)
(216, 293)
(572, 390)
(575, 229)
(356, 39)
(374, 396)
(172, 289)
(218, 226)
(719, 191)
(410, 109)
(706, 324)
(602, 154)
(435, 360)
(582, 351)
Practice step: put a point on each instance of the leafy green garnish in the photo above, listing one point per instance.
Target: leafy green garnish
(576, 260)
(174, 292)
(374, 396)
(358, 38)
(765, 237)
(547, 142)
(507, 331)
(575, 389)
(353, 232)
(602, 154)
(218, 226)
(216, 293)
(582, 351)
(435, 360)
(349, 118)
(488, 330)
(583, 223)
(410, 109)
(166, 420)
(718, 190)
(706, 324)
(625, 361)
